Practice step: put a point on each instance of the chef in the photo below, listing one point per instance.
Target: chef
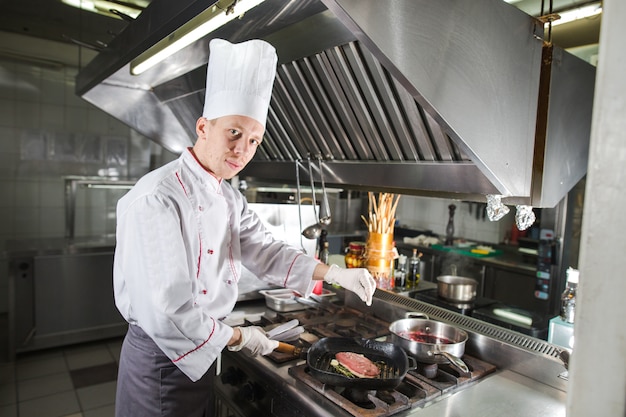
(183, 235)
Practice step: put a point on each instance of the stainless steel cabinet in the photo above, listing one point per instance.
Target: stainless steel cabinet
(62, 299)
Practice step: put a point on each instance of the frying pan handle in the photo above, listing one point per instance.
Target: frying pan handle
(293, 350)
(285, 348)
(456, 363)
(415, 315)
(412, 363)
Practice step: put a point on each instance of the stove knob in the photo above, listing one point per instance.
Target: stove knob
(250, 392)
(232, 376)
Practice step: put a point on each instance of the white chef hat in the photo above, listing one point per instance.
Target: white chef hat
(239, 79)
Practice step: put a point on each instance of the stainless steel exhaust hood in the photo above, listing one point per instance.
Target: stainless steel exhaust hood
(442, 98)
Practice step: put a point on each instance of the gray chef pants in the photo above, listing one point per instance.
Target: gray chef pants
(150, 385)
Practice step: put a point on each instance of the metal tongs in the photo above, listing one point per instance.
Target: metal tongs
(286, 332)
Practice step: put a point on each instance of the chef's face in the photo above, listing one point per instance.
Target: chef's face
(225, 145)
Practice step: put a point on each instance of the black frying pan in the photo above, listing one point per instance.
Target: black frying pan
(394, 358)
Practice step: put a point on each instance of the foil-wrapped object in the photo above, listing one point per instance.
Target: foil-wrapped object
(495, 209)
(525, 217)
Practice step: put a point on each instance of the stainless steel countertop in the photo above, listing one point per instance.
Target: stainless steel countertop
(505, 393)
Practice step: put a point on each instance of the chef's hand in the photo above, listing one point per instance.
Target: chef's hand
(254, 340)
(357, 280)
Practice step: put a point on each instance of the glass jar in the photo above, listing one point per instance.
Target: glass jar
(354, 257)
(379, 255)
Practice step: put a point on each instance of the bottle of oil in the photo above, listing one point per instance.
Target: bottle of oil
(325, 253)
(400, 274)
(413, 276)
(568, 298)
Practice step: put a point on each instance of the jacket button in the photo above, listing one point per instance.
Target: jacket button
(210, 251)
(200, 208)
(229, 282)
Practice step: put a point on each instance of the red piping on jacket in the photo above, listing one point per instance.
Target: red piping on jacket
(289, 270)
(199, 259)
(181, 183)
(199, 346)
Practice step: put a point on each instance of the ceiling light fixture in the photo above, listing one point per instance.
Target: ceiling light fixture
(104, 7)
(204, 23)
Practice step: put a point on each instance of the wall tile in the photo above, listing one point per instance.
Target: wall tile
(9, 140)
(424, 213)
(52, 116)
(27, 193)
(52, 87)
(4, 289)
(27, 82)
(97, 122)
(9, 164)
(7, 193)
(76, 119)
(27, 114)
(52, 222)
(52, 193)
(7, 113)
(7, 80)
(7, 223)
(27, 223)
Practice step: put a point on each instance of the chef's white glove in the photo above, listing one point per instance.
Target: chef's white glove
(357, 280)
(254, 340)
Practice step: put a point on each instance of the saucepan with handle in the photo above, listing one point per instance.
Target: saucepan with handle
(392, 361)
(456, 289)
(430, 341)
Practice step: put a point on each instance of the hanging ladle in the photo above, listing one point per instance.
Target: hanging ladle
(315, 230)
(325, 217)
(298, 197)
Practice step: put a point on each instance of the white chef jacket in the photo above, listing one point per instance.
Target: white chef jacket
(182, 237)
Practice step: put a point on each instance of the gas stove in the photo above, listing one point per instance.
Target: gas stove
(415, 390)
(430, 296)
(247, 383)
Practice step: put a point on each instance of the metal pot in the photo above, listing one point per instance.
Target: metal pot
(394, 359)
(456, 289)
(430, 341)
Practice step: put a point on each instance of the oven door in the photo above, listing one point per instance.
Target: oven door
(236, 392)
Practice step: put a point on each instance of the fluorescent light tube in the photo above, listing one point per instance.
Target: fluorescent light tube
(103, 7)
(578, 13)
(198, 27)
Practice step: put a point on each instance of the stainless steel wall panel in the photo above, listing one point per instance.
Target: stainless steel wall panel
(569, 127)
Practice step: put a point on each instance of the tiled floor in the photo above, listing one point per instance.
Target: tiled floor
(73, 381)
